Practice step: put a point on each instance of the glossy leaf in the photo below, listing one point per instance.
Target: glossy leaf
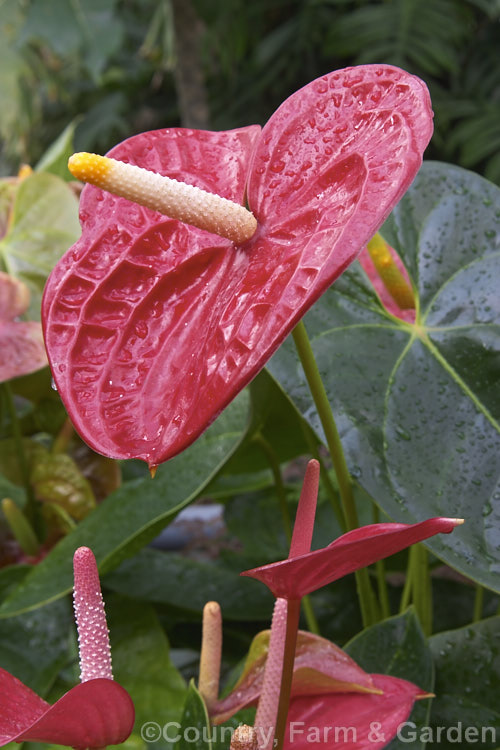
(142, 300)
(467, 684)
(194, 732)
(298, 576)
(43, 223)
(134, 514)
(417, 406)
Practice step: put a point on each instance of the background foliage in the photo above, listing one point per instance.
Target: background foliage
(115, 67)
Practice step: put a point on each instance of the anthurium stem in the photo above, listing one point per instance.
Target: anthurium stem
(320, 398)
(292, 626)
(383, 596)
(170, 197)
(417, 588)
(478, 603)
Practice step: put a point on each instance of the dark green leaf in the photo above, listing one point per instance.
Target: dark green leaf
(418, 406)
(467, 685)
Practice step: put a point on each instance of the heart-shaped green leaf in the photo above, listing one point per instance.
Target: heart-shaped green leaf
(134, 514)
(467, 685)
(418, 406)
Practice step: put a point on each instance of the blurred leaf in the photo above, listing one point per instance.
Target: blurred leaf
(409, 398)
(467, 684)
(398, 647)
(57, 479)
(44, 225)
(55, 159)
(135, 513)
(90, 28)
(179, 581)
(423, 33)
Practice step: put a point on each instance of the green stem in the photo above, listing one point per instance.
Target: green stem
(418, 586)
(383, 595)
(292, 625)
(318, 392)
(320, 398)
(278, 482)
(478, 604)
(327, 483)
(408, 587)
(30, 510)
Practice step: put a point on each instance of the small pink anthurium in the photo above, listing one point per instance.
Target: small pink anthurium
(21, 342)
(93, 714)
(316, 703)
(154, 324)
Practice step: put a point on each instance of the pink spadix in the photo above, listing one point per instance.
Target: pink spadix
(93, 635)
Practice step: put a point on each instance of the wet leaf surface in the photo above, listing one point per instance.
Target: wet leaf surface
(418, 405)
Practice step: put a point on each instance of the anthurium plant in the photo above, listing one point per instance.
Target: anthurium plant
(298, 321)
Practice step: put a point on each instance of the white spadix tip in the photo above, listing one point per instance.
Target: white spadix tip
(172, 198)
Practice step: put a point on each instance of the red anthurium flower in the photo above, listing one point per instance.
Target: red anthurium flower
(153, 325)
(333, 702)
(21, 342)
(297, 576)
(95, 713)
(303, 572)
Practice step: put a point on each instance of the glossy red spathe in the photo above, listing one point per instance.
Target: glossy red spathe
(298, 576)
(153, 326)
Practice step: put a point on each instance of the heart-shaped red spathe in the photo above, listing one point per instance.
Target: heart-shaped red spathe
(301, 575)
(153, 326)
(93, 714)
(354, 721)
